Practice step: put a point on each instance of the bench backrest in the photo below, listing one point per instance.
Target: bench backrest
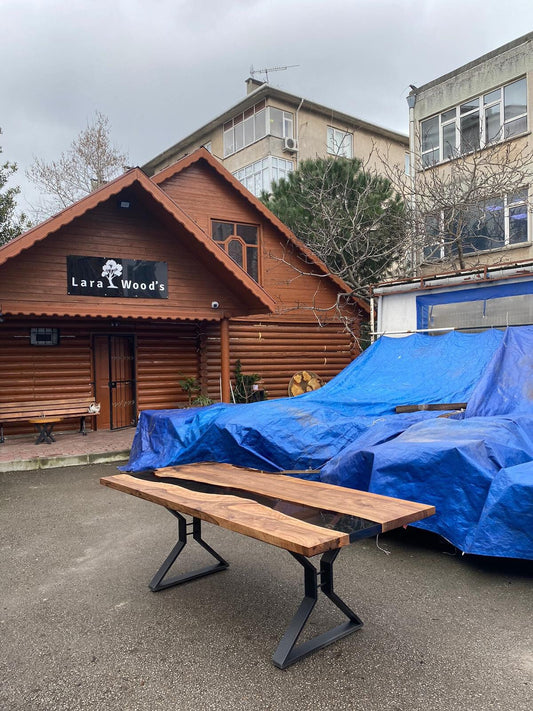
(46, 408)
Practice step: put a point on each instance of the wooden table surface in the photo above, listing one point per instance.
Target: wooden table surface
(389, 512)
(246, 516)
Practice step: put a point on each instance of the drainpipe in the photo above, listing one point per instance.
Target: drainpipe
(225, 360)
(297, 127)
(411, 101)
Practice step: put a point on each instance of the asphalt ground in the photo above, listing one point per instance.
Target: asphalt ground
(79, 628)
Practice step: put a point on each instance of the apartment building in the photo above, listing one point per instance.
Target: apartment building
(264, 136)
(471, 148)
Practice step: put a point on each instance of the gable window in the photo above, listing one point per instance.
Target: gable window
(494, 224)
(240, 241)
(339, 143)
(477, 123)
(258, 177)
(254, 124)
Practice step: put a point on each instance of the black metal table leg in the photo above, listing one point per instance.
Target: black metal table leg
(45, 433)
(157, 583)
(287, 652)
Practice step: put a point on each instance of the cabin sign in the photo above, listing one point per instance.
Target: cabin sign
(112, 276)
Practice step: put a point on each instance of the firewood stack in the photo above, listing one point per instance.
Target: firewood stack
(304, 382)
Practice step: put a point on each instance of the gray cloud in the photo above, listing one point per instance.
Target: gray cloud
(160, 69)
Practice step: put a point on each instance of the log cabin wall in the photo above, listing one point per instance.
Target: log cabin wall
(164, 354)
(275, 351)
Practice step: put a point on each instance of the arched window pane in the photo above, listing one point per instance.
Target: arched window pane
(235, 251)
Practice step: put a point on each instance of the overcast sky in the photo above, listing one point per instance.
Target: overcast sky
(161, 68)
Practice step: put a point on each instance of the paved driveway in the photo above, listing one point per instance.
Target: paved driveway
(79, 628)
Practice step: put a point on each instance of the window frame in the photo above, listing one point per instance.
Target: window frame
(441, 247)
(252, 125)
(333, 146)
(264, 167)
(486, 102)
(235, 236)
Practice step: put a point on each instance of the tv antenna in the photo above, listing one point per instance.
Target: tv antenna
(265, 71)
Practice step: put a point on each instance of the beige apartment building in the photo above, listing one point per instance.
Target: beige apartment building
(470, 143)
(263, 138)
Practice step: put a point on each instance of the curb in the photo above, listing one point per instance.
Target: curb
(24, 465)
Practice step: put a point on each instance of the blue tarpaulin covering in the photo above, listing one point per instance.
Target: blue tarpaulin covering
(473, 467)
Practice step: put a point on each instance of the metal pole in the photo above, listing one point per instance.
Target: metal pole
(411, 101)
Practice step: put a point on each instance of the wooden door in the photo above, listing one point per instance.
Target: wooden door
(114, 367)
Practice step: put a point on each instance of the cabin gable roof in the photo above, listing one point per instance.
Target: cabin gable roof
(203, 156)
(252, 294)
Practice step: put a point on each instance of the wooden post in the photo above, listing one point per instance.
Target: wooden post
(224, 360)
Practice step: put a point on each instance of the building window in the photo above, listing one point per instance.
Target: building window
(430, 141)
(280, 123)
(254, 124)
(259, 177)
(494, 224)
(477, 123)
(240, 241)
(339, 143)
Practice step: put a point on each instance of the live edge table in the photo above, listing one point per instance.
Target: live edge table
(305, 518)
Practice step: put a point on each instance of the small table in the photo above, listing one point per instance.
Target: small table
(305, 518)
(44, 426)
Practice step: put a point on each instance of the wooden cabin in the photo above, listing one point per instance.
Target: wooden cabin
(149, 281)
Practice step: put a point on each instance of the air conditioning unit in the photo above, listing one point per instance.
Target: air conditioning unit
(290, 145)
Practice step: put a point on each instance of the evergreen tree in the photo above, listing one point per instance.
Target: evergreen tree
(11, 225)
(348, 216)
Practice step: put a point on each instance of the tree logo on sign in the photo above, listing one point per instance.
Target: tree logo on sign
(110, 270)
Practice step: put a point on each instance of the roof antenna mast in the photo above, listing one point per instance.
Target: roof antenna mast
(265, 71)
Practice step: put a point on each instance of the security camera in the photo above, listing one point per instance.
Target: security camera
(215, 304)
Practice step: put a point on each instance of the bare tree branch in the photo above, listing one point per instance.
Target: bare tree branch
(456, 211)
(90, 162)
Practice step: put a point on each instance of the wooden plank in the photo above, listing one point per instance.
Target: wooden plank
(432, 406)
(234, 513)
(389, 512)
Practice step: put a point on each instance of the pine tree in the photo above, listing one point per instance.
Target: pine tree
(348, 216)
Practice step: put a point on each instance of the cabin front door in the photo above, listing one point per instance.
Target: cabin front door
(114, 369)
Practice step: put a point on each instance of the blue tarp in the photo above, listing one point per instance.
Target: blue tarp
(472, 467)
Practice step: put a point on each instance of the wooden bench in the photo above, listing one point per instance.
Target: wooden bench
(306, 518)
(44, 413)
